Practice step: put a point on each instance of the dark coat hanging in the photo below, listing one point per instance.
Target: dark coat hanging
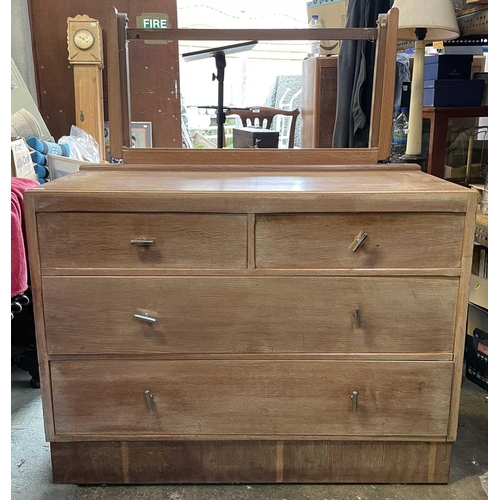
(355, 76)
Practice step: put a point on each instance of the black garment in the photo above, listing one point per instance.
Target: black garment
(355, 76)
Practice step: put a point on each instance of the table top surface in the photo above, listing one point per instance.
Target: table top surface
(237, 179)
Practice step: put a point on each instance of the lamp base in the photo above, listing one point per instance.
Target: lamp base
(418, 159)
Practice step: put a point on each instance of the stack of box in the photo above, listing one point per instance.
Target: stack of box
(447, 82)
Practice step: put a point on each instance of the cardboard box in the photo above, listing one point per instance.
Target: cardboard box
(459, 172)
(448, 67)
(250, 137)
(478, 65)
(331, 14)
(21, 163)
(452, 93)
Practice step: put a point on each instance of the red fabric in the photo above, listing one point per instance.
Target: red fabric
(18, 253)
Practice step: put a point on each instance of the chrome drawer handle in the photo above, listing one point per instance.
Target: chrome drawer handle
(357, 318)
(359, 241)
(142, 241)
(149, 400)
(146, 318)
(354, 399)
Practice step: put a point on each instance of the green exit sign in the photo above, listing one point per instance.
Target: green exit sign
(155, 23)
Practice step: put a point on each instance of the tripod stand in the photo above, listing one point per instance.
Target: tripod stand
(219, 54)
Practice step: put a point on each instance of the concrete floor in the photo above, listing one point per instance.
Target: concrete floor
(31, 472)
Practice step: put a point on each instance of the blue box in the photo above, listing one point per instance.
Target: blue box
(448, 67)
(452, 93)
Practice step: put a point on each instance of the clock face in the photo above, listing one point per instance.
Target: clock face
(83, 39)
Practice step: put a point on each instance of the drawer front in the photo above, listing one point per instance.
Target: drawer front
(327, 241)
(115, 240)
(296, 398)
(249, 315)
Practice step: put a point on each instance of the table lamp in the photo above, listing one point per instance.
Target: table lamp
(422, 21)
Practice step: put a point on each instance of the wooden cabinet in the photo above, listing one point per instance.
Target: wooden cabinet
(238, 326)
(319, 101)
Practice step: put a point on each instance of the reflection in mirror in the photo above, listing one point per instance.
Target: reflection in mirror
(296, 81)
(280, 95)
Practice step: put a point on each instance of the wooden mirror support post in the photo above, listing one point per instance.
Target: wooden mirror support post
(85, 53)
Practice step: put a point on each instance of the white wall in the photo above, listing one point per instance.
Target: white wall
(21, 43)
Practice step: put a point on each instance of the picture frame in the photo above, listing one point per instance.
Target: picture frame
(142, 134)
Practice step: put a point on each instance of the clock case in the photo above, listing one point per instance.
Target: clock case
(92, 55)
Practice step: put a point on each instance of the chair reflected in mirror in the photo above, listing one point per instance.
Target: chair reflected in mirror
(262, 117)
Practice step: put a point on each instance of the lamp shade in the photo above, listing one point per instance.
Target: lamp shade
(438, 16)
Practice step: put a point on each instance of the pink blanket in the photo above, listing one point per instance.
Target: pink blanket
(18, 255)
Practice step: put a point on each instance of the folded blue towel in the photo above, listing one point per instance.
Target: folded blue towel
(47, 147)
(38, 158)
(42, 172)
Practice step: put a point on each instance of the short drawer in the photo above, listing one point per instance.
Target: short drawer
(294, 398)
(130, 315)
(335, 241)
(131, 240)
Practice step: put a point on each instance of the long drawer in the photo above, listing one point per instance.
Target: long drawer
(118, 315)
(131, 240)
(294, 398)
(337, 241)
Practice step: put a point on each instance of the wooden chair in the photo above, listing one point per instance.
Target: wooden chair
(263, 117)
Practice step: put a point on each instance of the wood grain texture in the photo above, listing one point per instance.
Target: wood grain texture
(359, 356)
(319, 101)
(339, 190)
(89, 102)
(378, 82)
(251, 241)
(135, 271)
(164, 462)
(249, 315)
(193, 167)
(69, 240)
(251, 397)
(244, 202)
(248, 462)
(346, 462)
(388, 86)
(38, 310)
(72, 438)
(394, 240)
(461, 316)
(338, 181)
(252, 156)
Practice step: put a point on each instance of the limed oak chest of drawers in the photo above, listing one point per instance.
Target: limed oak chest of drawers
(250, 325)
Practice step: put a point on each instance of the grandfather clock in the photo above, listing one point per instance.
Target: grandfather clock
(86, 55)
